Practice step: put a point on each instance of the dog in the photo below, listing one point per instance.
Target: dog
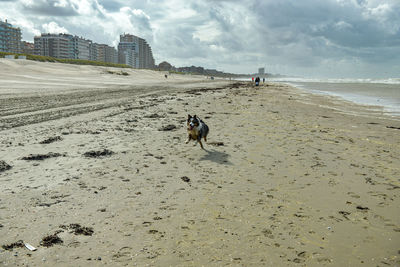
(196, 129)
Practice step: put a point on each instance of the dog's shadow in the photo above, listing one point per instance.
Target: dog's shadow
(216, 156)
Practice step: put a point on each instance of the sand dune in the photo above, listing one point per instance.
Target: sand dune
(95, 178)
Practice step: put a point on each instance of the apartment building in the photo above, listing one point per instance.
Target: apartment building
(111, 54)
(94, 51)
(135, 51)
(10, 38)
(64, 46)
(128, 53)
(74, 47)
(107, 53)
(54, 45)
(81, 48)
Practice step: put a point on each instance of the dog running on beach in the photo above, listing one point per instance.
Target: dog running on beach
(197, 129)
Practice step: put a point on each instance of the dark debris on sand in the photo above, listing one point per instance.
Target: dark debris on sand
(4, 166)
(155, 116)
(99, 153)
(237, 85)
(168, 127)
(18, 244)
(393, 127)
(201, 90)
(42, 156)
(51, 240)
(51, 140)
(216, 143)
(185, 179)
(77, 229)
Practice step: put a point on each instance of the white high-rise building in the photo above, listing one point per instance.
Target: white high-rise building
(128, 53)
(135, 51)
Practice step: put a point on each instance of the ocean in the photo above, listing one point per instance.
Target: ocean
(383, 93)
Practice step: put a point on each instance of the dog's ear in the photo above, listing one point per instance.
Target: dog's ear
(189, 116)
(195, 116)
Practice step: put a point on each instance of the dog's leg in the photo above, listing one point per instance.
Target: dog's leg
(206, 132)
(199, 141)
(189, 137)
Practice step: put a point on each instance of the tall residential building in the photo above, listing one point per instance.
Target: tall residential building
(64, 46)
(128, 53)
(94, 51)
(10, 38)
(54, 45)
(81, 48)
(73, 47)
(135, 51)
(111, 55)
(107, 53)
(149, 62)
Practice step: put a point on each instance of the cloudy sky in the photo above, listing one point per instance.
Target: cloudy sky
(309, 38)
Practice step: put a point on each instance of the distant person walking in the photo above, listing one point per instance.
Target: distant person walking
(257, 81)
(263, 80)
(252, 79)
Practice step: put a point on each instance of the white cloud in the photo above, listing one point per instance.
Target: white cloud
(27, 2)
(341, 25)
(207, 33)
(139, 13)
(61, 3)
(83, 7)
(27, 27)
(52, 27)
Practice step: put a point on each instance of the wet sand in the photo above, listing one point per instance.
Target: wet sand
(95, 171)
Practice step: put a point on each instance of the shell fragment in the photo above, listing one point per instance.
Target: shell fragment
(30, 247)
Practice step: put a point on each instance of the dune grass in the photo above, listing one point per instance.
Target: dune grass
(68, 61)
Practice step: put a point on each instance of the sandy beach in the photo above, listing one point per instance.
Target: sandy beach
(94, 170)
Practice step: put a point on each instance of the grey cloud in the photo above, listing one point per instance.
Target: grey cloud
(141, 24)
(321, 19)
(181, 35)
(97, 8)
(305, 33)
(110, 5)
(215, 14)
(49, 8)
(178, 41)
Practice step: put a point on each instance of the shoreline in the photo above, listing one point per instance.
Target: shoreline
(364, 94)
(356, 91)
(347, 106)
(288, 181)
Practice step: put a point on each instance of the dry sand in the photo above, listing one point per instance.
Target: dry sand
(287, 178)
